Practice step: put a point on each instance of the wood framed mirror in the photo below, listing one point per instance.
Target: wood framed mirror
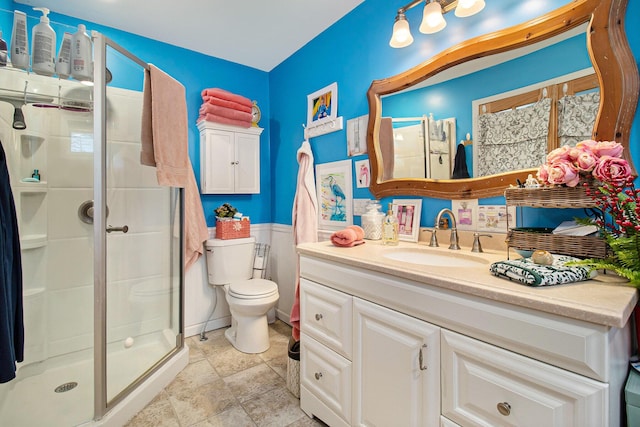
(611, 59)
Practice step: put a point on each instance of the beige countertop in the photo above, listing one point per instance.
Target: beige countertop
(603, 301)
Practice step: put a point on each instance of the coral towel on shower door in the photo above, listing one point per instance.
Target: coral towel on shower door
(304, 221)
(165, 145)
(11, 319)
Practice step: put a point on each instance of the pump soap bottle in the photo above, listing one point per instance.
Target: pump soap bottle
(390, 228)
(81, 55)
(43, 53)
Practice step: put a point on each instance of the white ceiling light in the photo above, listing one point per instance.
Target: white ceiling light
(432, 18)
(468, 7)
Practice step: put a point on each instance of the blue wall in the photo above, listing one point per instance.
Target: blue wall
(353, 53)
(196, 72)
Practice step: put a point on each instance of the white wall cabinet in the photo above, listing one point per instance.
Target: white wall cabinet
(229, 159)
(426, 356)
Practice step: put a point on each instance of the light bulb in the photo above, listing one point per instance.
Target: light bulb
(432, 19)
(401, 36)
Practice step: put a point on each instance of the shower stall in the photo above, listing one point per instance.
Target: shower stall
(100, 244)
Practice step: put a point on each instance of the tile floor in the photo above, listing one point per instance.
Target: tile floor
(223, 387)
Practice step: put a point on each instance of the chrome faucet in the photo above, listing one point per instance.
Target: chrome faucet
(453, 241)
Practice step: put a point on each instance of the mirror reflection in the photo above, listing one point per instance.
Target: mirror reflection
(516, 106)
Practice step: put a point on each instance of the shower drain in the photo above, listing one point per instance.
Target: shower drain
(66, 387)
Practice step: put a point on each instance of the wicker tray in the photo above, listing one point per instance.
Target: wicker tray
(530, 239)
(550, 197)
(230, 229)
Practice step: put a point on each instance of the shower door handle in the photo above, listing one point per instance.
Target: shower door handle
(124, 228)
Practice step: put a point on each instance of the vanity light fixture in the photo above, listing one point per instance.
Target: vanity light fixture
(432, 18)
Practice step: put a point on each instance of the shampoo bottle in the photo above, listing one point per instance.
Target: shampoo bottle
(390, 228)
(43, 53)
(81, 55)
(63, 63)
(19, 41)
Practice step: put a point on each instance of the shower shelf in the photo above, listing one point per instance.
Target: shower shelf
(32, 187)
(33, 241)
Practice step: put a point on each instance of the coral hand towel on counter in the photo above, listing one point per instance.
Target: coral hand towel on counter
(348, 237)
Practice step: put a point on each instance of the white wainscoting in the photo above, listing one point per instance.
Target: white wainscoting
(200, 296)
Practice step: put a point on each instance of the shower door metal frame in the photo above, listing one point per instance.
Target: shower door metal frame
(101, 404)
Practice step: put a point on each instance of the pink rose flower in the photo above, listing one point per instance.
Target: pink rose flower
(585, 161)
(563, 172)
(612, 169)
(587, 144)
(607, 148)
(543, 173)
(560, 153)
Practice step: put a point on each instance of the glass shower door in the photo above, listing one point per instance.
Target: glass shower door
(141, 238)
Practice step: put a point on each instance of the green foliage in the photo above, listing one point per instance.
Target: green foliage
(225, 211)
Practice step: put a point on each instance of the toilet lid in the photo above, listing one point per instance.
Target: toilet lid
(253, 288)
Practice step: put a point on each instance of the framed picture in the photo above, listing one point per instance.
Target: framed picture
(363, 173)
(408, 213)
(493, 218)
(357, 135)
(335, 199)
(322, 105)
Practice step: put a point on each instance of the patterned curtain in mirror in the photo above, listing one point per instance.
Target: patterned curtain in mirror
(576, 116)
(513, 139)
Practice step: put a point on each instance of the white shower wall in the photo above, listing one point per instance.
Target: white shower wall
(58, 275)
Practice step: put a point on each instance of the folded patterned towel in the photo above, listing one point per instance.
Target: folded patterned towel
(526, 271)
(214, 100)
(225, 112)
(225, 120)
(350, 236)
(225, 94)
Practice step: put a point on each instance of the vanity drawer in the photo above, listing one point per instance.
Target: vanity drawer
(327, 376)
(325, 314)
(486, 385)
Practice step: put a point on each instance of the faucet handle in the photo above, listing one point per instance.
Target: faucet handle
(433, 242)
(477, 247)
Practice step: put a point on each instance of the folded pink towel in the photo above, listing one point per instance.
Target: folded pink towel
(225, 94)
(350, 236)
(214, 100)
(225, 112)
(224, 120)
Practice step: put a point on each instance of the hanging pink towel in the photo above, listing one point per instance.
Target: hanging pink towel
(225, 94)
(213, 100)
(224, 120)
(165, 140)
(165, 144)
(225, 112)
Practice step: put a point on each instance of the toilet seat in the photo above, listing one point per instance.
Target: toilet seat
(253, 289)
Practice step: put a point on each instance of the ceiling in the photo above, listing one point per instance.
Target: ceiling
(256, 33)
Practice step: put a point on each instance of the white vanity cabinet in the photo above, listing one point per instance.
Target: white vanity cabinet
(428, 355)
(229, 159)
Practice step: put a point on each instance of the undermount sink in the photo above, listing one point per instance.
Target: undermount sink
(433, 258)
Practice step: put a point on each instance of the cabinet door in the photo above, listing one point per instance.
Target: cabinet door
(489, 386)
(247, 167)
(396, 368)
(219, 165)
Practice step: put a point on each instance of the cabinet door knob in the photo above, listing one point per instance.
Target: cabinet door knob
(318, 316)
(504, 408)
(420, 358)
(318, 375)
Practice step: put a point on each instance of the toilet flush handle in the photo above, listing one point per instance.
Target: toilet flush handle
(124, 228)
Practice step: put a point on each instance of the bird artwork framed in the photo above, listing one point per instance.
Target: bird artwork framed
(335, 195)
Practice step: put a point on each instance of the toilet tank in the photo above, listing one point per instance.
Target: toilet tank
(229, 260)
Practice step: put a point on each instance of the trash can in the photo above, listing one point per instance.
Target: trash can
(293, 368)
(632, 397)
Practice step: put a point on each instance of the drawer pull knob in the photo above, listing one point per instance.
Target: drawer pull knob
(318, 316)
(420, 358)
(504, 408)
(318, 375)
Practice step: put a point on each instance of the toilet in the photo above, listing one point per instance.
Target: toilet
(230, 264)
